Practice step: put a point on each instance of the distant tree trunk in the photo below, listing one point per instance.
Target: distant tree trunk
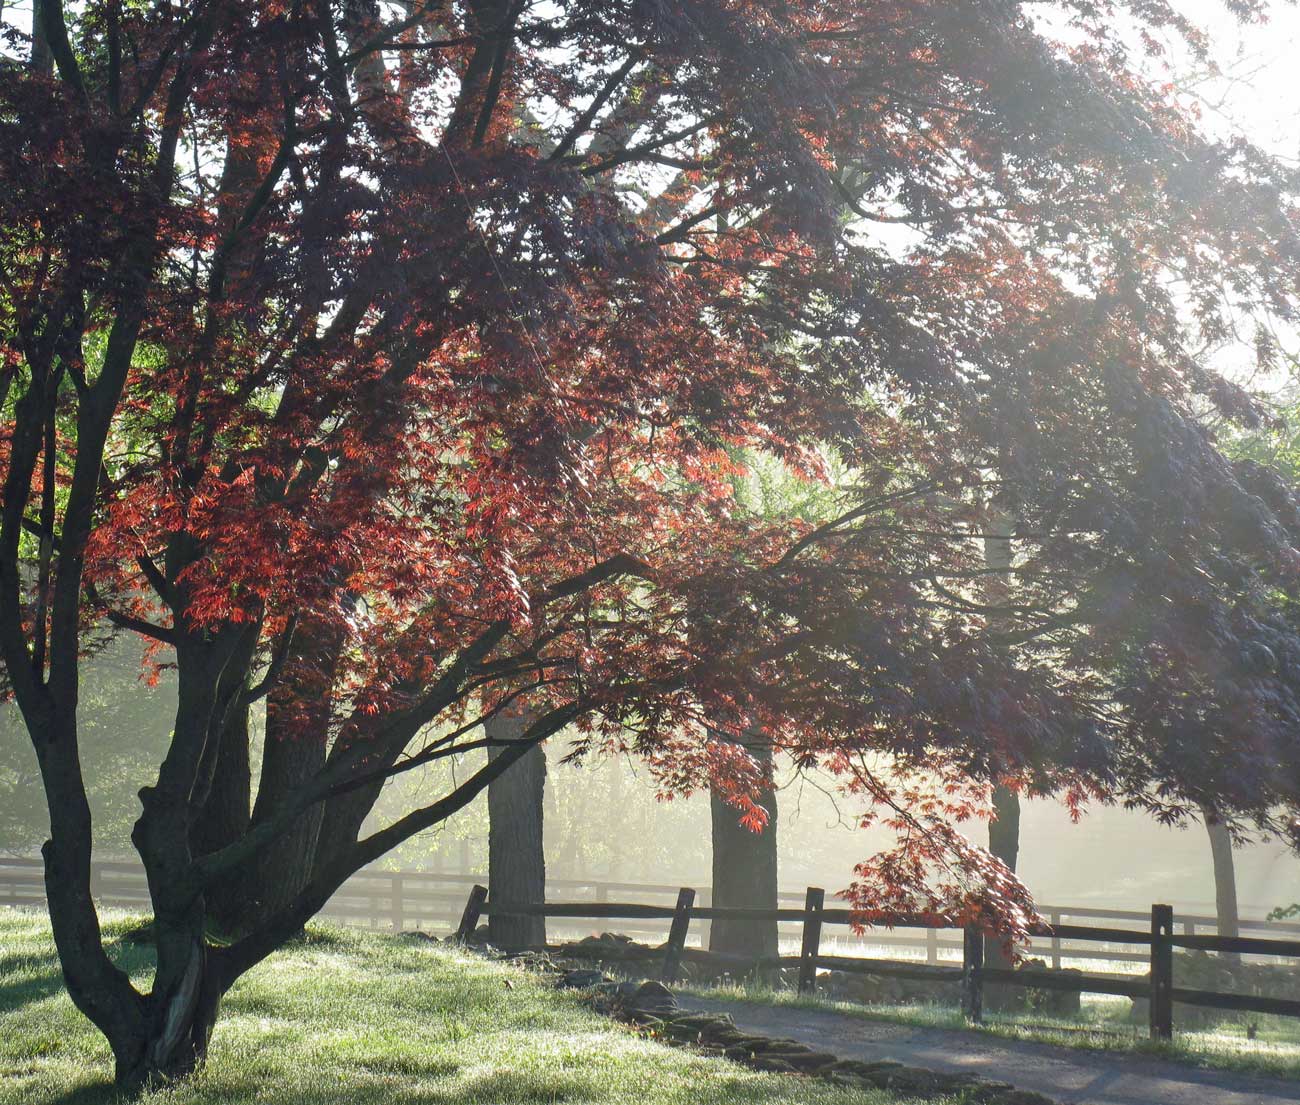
(42, 60)
(1225, 878)
(1004, 829)
(516, 856)
(744, 872)
(1004, 842)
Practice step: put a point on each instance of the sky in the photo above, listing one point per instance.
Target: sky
(1259, 92)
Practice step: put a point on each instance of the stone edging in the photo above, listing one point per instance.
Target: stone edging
(651, 1008)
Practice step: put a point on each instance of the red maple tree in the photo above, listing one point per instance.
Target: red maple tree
(393, 363)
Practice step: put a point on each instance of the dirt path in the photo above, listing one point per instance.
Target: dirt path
(1067, 1075)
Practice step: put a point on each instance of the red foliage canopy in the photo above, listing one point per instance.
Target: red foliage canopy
(398, 360)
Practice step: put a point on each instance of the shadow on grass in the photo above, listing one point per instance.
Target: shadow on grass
(93, 1093)
(34, 985)
(42, 974)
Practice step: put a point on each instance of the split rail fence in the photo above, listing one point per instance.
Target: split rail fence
(400, 900)
(1159, 939)
(414, 899)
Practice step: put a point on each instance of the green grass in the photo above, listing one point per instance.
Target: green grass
(345, 1018)
(1103, 1025)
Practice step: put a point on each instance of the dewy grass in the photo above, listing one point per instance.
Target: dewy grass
(1103, 1025)
(346, 1018)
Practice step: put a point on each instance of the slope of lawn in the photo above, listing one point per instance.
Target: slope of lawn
(347, 1018)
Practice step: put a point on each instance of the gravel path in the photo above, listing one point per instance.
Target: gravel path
(1070, 1076)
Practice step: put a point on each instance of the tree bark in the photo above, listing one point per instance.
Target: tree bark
(744, 871)
(1004, 828)
(1004, 843)
(286, 866)
(516, 855)
(179, 1016)
(42, 60)
(224, 818)
(1225, 879)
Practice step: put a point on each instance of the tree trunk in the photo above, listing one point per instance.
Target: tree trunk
(42, 60)
(1225, 879)
(1004, 829)
(293, 750)
(286, 865)
(224, 818)
(1004, 843)
(516, 856)
(744, 872)
(180, 1013)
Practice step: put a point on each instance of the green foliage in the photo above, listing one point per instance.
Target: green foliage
(773, 490)
(1275, 445)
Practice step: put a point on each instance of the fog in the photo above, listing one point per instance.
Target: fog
(603, 820)
(1112, 858)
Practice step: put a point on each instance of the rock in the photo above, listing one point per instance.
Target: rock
(918, 1082)
(1022, 1097)
(654, 996)
(775, 1066)
(534, 961)
(580, 980)
(807, 1062)
(703, 1022)
(858, 1066)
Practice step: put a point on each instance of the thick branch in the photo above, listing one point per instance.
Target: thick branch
(239, 957)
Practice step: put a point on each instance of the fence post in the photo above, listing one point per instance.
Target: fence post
(813, 903)
(397, 903)
(972, 980)
(677, 934)
(1162, 972)
(1056, 940)
(932, 945)
(706, 926)
(473, 908)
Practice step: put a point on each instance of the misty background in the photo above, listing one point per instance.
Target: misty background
(603, 820)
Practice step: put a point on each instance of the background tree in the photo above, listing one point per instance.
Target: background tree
(516, 857)
(745, 860)
(323, 372)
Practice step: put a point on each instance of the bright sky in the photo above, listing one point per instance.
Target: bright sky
(1260, 92)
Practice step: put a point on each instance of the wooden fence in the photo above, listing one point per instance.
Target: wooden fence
(1159, 939)
(423, 899)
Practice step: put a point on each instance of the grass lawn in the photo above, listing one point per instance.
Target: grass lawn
(1103, 1025)
(348, 1018)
